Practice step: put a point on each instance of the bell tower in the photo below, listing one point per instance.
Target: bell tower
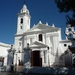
(70, 33)
(23, 22)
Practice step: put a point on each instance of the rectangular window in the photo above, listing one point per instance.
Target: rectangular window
(21, 27)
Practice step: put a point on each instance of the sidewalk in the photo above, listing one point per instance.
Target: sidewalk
(18, 73)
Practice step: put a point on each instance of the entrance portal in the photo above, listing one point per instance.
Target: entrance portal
(35, 58)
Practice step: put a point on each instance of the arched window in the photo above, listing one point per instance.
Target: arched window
(21, 20)
(40, 37)
(69, 30)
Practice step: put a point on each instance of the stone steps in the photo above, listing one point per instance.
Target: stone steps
(19, 68)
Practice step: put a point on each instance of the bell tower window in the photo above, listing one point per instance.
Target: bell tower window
(21, 21)
(69, 29)
(40, 37)
(21, 27)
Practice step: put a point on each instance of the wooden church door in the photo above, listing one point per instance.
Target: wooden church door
(35, 58)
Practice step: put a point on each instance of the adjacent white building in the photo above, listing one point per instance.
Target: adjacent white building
(3, 52)
(40, 45)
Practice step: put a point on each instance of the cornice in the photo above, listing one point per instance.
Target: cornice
(65, 41)
(18, 34)
(5, 45)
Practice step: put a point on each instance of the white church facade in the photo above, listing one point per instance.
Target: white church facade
(41, 45)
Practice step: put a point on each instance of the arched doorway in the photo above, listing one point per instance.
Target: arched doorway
(35, 59)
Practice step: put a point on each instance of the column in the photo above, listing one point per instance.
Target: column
(45, 38)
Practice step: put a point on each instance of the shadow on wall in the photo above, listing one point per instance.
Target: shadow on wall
(65, 60)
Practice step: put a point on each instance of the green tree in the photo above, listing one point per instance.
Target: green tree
(67, 6)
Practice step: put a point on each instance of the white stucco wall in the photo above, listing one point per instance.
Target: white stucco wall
(4, 52)
(18, 47)
(16, 42)
(67, 42)
(66, 58)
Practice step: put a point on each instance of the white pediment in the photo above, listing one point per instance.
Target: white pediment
(38, 44)
(42, 27)
(37, 29)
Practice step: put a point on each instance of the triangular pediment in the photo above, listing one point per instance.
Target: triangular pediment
(42, 27)
(38, 44)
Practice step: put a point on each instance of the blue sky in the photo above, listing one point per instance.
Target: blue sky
(45, 10)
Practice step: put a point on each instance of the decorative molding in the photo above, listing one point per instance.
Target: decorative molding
(48, 35)
(65, 41)
(28, 37)
(18, 34)
(4, 45)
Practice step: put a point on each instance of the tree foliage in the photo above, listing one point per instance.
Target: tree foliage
(67, 6)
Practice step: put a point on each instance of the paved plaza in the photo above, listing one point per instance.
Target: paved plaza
(18, 73)
(13, 73)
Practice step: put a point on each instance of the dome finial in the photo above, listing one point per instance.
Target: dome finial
(53, 25)
(40, 21)
(47, 23)
(34, 24)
